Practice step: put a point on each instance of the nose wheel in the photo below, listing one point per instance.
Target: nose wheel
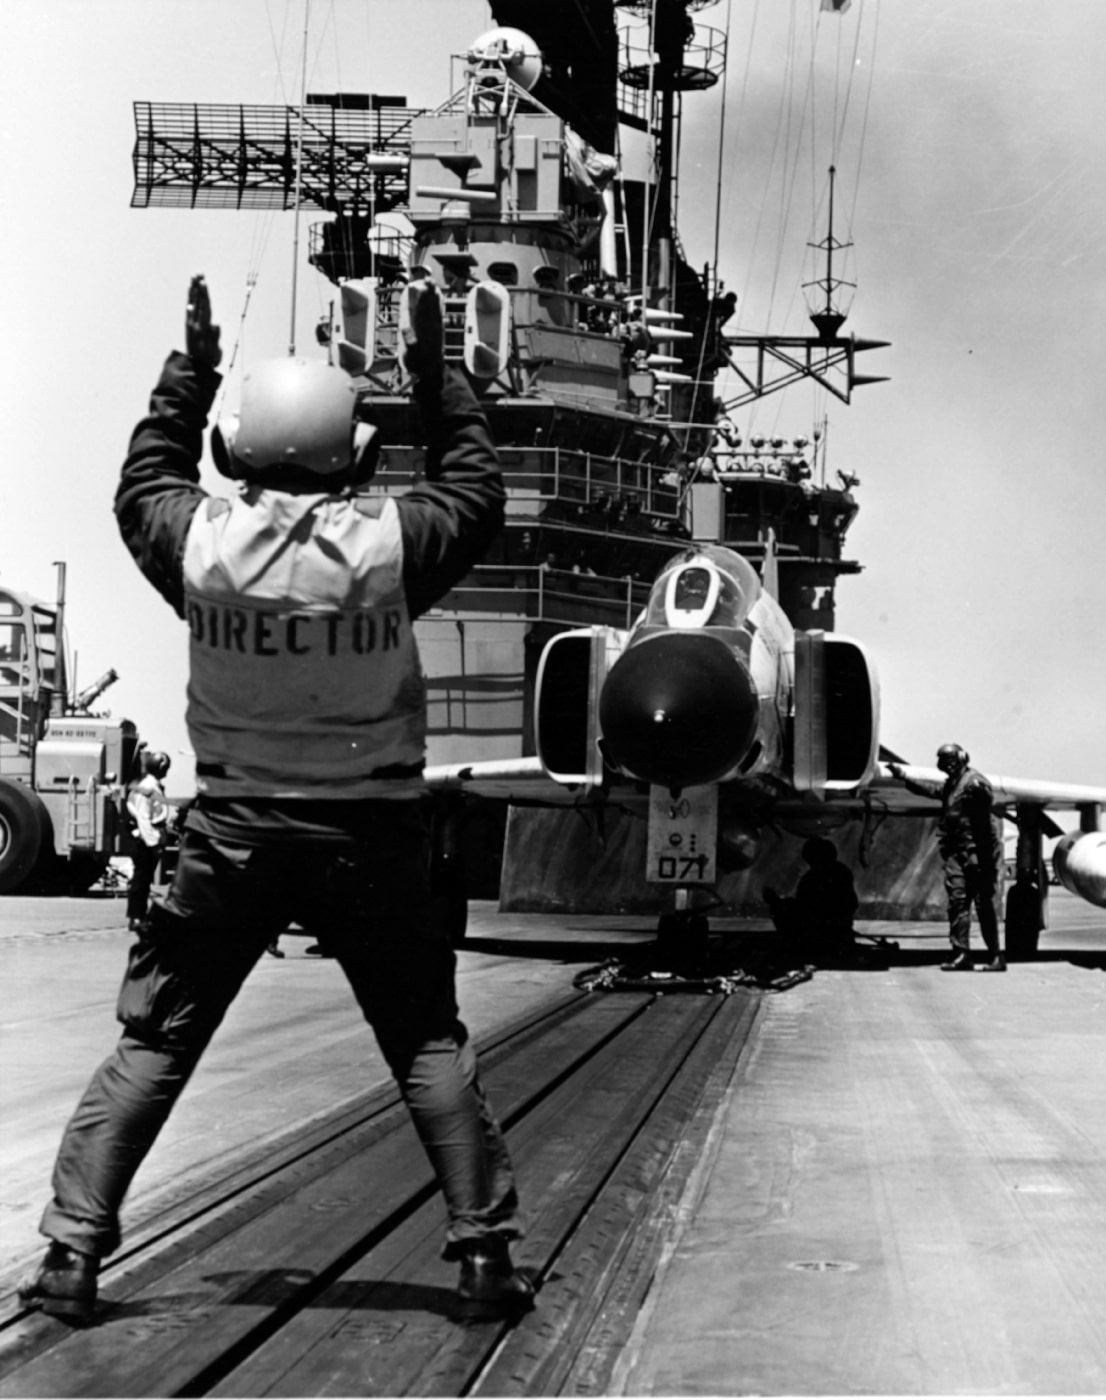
(679, 960)
(683, 938)
(683, 934)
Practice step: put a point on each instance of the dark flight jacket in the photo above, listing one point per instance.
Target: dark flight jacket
(446, 522)
(966, 829)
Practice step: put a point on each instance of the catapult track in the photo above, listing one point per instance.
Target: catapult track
(313, 1268)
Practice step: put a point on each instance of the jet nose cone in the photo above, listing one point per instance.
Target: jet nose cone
(678, 710)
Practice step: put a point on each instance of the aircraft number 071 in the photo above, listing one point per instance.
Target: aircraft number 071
(683, 835)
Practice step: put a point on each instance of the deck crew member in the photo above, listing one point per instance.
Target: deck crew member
(819, 915)
(972, 852)
(306, 711)
(151, 815)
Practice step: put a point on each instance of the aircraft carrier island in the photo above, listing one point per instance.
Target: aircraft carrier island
(745, 1168)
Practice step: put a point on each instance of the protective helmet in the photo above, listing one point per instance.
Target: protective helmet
(951, 757)
(297, 416)
(158, 764)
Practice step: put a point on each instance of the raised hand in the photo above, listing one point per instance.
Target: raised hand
(201, 338)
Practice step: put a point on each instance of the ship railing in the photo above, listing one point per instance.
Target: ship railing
(758, 469)
(595, 315)
(587, 311)
(590, 309)
(702, 64)
(384, 252)
(541, 593)
(614, 487)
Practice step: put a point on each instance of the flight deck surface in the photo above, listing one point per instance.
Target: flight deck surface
(884, 1180)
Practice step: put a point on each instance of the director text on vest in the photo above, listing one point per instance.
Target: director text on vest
(257, 633)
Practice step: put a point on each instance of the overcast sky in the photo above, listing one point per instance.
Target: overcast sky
(971, 145)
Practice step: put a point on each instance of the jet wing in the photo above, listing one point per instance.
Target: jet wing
(518, 780)
(524, 779)
(1078, 858)
(1064, 796)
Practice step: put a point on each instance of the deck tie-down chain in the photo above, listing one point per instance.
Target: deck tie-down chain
(615, 975)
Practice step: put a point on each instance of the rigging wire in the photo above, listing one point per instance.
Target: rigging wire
(790, 135)
(264, 221)
(721, 152)
(251, 283)
(741, 107)
(763, 207)
(867, 103)
(299, 179)
(794, 140)
(805, 123)
(785, 155)
(787, 161)
(713, 281)
(324, 304)
(647, 215)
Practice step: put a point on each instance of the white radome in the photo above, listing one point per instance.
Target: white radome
(518, 53)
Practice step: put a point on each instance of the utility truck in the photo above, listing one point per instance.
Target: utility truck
(63, 769)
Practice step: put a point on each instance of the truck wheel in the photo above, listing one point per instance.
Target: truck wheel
(24, 833)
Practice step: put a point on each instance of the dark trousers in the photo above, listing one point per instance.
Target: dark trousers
(370, 897)
(965, 885)
(142, 878)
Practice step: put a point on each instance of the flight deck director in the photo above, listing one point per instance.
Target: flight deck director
(307, 713)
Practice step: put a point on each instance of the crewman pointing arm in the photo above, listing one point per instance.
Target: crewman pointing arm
(971, 851)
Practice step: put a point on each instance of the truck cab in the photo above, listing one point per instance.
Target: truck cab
(63, 770)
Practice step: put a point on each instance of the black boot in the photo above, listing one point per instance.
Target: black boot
(489, 1281)
(997, 963)
(64, 1285)
(962, 962)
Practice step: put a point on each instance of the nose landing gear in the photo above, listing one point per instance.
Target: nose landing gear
(683, 935)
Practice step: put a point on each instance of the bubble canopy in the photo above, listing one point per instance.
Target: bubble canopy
(703, 587)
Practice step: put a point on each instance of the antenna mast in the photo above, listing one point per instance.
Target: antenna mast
(830, 318)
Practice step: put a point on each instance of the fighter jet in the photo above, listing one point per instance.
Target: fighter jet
(722, 719)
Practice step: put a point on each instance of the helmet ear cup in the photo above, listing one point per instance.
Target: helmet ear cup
(222, 449)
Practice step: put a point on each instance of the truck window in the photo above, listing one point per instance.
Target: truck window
(12, 651)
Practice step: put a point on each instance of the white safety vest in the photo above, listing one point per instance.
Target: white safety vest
(304, 674)
(147, 805)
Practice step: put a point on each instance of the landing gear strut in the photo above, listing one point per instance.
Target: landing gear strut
(683, 934)
(1027, 899)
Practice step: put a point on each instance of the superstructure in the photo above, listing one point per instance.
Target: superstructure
(603, 358)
